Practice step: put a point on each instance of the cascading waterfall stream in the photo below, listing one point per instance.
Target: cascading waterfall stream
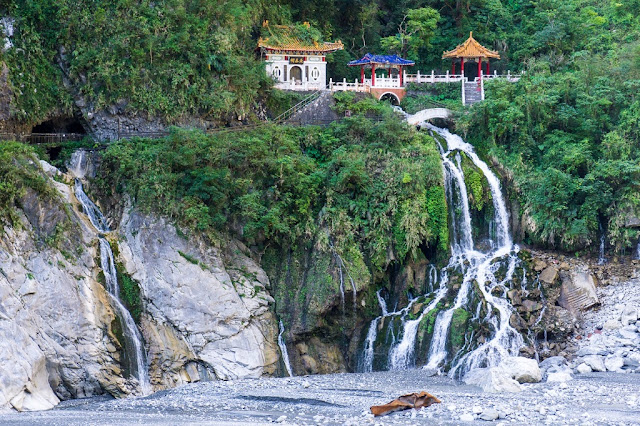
(283, 350)
(133, 339)
(476, 267)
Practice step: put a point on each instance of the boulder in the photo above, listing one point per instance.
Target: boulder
(549, 275)
(523, 370)
(629, 315)
(555, 369)
(539, 265)
(596, 362)
(489, 414)
(583, 368)
(611, 324)
(614, 363)
(559, 374)
(578, 291)
(492, 379)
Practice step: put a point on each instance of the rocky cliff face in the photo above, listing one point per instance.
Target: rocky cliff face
(204, 310)
(57, 340)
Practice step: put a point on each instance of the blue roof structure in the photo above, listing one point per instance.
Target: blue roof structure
(370, 59)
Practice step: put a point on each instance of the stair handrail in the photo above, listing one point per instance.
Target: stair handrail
(297, 107)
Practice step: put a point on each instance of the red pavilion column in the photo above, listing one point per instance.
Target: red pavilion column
(400, 76)
(453, 67)
(373, 75)
(362, 74)
(479, 68)
(462, 67)
(488, 72)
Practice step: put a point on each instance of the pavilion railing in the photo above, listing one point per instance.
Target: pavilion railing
(432, 78)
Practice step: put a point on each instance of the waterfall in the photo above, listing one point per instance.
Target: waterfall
(475, 267)
(90, 209)
(372, 334)
(382, 303)
(283, 350)
(79, 163)
(133, 340)
(601, 257)
(137, 365)
(638, 251)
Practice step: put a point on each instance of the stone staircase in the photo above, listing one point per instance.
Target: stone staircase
(472, 93)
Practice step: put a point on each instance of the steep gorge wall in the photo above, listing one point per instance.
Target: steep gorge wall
(205, 309)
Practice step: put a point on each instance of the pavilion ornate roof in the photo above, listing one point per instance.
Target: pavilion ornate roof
(389, 60)
(288, 38)
(471, 49)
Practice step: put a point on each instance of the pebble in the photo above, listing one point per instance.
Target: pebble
(467, 417)
(281, 419)
(489, 414)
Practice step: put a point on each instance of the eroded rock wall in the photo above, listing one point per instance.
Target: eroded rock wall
(206, 308)
(56, 339)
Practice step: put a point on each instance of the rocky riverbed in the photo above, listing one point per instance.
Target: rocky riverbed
(595, 398)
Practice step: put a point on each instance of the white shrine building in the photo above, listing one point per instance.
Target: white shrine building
(295, 61)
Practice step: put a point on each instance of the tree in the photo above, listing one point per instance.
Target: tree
(414, 32)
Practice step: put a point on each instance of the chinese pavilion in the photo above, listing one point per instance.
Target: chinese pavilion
(470, 51)
(294, 59)
(381, 62)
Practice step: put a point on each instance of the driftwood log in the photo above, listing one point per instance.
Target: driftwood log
(405, 402)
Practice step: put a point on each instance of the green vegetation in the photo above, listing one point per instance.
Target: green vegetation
(19, 171)
(357, 184)
(171, 58)
(130, 293)
(458, 329)
(569, 129)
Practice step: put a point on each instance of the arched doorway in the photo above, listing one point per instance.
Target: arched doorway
(392, 98)
(295, 73)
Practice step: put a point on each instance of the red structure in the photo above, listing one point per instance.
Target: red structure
(470, 51)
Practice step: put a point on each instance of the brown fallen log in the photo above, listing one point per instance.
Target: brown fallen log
(405, 402)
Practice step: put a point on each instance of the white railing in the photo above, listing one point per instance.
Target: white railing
(299, 85)
(345, 86)
(387, 83)
(508, 76)
(432, 78)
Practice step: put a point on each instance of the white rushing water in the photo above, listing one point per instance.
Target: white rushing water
(601, 256)
(137, 360)
(137, 364)
(79, 163)
(475, 266)
(283, 350)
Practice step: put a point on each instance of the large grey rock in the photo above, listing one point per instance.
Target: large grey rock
(549, 275)
(613, 363)
(583, 368)
(204, 304)
(523, 370)
(492, 379)
(629, 315)
(596, 362)
(578, 291)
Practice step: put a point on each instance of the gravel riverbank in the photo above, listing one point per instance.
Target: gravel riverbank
(589, 399)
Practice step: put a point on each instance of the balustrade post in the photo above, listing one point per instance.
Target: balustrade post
(418, 77)
(446, 78)
(433, 76)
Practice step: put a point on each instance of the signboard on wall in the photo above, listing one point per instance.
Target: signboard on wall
(296, 60)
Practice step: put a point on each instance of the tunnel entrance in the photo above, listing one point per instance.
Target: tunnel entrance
(60, 125)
